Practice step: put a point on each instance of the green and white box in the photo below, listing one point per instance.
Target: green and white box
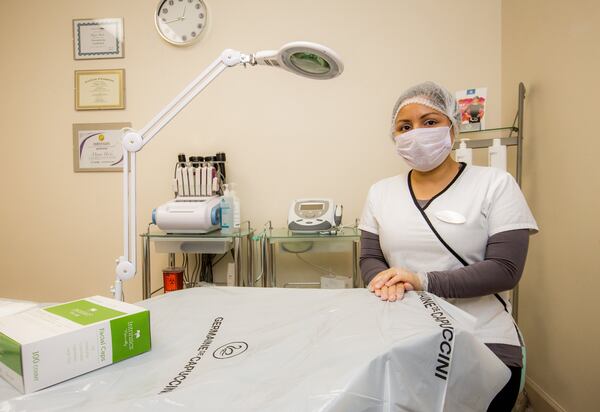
(44, 346)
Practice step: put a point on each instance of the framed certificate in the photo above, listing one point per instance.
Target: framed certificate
(98, 39)
(100, 89)
(97, 147)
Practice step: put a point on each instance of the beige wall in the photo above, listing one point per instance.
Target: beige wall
(285, 137)
(552, 46)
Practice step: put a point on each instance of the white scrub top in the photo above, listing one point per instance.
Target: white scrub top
(479, 203)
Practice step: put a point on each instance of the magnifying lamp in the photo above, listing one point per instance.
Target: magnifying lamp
(303, 58)
(306, 59)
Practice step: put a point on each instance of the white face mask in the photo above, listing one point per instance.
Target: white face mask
(425, 148)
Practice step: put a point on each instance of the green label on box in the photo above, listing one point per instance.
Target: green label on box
(84, 312)
(10, 354)
(130, 335)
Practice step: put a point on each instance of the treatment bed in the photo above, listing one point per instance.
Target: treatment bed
(269, 349)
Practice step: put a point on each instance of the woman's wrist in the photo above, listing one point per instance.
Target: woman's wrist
(422, 276)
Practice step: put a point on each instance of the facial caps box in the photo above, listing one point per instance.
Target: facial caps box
(44, 346)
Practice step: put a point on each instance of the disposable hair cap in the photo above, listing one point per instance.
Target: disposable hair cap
(432, 95)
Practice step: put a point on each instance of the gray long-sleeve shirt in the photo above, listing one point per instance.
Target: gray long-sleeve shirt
(500, 270)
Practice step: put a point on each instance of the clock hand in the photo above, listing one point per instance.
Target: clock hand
(183, 15)
(171, 21)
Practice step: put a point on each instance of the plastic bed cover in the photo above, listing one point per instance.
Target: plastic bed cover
(255, 349)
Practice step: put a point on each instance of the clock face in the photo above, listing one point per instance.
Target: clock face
(180, 22)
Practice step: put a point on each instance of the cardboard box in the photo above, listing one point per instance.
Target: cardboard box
(44, 346)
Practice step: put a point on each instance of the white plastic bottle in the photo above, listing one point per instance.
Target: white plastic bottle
(464, 154)
(226, 205)
(497, 155)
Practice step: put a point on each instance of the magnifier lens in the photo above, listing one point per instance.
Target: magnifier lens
(310, 63)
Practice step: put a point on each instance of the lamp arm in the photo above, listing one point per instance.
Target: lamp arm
(134, 141)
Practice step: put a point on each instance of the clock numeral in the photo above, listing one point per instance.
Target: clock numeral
(198, 6)
(165, 11)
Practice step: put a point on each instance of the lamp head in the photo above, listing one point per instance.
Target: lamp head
(304, 58)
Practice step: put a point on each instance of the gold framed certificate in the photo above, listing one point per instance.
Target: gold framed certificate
(97, 147)
(98, 39)
(100, 89)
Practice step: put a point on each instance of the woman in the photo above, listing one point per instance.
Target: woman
(460, 232)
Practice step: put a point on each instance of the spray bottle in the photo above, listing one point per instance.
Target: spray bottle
(236, 208)
(226, 205)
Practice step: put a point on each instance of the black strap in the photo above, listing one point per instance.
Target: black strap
(436, 233)
(439, 237)
(462, 166)
(503, 303)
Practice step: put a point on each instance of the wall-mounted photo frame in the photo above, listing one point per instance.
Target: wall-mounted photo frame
(98, 39)
(100, 89)
(97, 147)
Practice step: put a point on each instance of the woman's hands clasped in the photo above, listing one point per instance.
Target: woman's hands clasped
(391, 284)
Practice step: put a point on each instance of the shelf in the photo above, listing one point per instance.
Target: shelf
(244, 231)
(198, 236)
(483, 143)
(496, 129)
(285, 235)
